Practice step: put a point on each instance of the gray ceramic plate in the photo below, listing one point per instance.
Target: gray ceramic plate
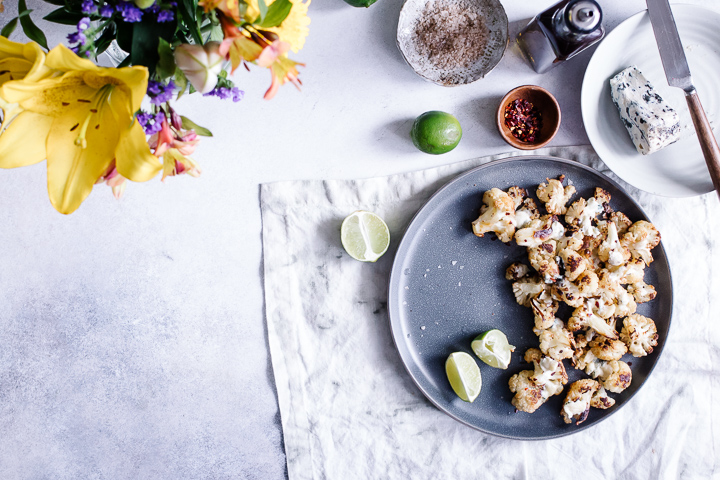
(447, 286)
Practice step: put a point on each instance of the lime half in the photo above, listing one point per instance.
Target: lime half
(492, 347)
(464, 375)
(364, 236)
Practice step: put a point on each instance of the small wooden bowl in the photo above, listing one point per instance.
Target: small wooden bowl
(545, 104)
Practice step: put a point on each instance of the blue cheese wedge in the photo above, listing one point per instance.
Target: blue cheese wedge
(650, 121)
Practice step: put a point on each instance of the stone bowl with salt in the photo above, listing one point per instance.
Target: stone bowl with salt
(452, 42)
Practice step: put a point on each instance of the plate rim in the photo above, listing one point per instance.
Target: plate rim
(395, 273)
(584, 101)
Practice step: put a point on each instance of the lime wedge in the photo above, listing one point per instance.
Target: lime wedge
(492, 347)
(364, 236)
(464, 375)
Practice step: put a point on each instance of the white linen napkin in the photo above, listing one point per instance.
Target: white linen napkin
(350, 410)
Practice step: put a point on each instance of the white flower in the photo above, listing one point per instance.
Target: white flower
(201, 64)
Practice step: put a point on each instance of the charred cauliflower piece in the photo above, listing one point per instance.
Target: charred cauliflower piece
(544, 310)
(517, 194)
(607, 348)
(640, 238)
(578, 400)
(527, 288)
(533, 387)
(642, 292)
(539, 231)
(631, 272)
(554, 195)
(619, 377)
(601, 400)
(557, 342)
(527, 212)
(582, 213)
(516, 271)
(497, 215)
(574, 263)
(542, 258)
(584, 317)
(639, 334)
(611, 250)
(621, 221)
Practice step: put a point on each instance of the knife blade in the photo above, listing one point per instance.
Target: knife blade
(678, 75)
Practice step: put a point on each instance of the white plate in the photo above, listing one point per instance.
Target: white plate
(678, 170)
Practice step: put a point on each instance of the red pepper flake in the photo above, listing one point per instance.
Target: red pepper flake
(523, 120)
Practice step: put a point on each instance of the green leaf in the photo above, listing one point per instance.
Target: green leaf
(124, 63)
(188, 124)
(25, 13)
(125, 35)
(63, 17)
(104, 41)
(146, 37)
(276, 13)
(59, 3)
(262, 6)
(216, 34)
(9, 28)
(181, 82)
(187, 8)
(166, 63)
(31, 30)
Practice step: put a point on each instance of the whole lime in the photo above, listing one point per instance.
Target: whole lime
(360, 3)
(436, 132)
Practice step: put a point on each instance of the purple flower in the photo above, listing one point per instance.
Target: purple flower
(106, 11)
(83, 24)
(225, 92)
(159, 92)
(130, 12)
(88, 6)
(151, 123)
(165, 16)
(77, 37)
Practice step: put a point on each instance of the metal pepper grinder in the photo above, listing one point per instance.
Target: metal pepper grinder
(561, 32)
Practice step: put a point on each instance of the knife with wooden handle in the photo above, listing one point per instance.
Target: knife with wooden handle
(678, 75)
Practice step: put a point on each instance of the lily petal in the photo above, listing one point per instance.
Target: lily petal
(23, 143)
(72, 169)
(134, 160)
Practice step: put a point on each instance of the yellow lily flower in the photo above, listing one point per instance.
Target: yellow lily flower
(294, 29)
(17, 62)
(80, 121)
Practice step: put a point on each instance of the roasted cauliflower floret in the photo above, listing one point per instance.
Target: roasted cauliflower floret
(526, 289)
(640, 238)
(601, 400)
(540, 230)
(619, 377)
(542, 259)
(621, 221)
(527, 212)
(640, 334)
(566, 291)
(557, 342)
(554, 195)
(587, 283)
(573, 240)
(533, 387)
(611, 250)
(574, 263)
(642, 292)
(583, 317)
(582, 213)
(497, 215)
(632, 272)
(516, 271)
(517, 194)
(578, 400)
(607, 348)
(544, 309)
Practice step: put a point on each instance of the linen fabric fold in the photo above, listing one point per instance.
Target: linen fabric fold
(350, 410)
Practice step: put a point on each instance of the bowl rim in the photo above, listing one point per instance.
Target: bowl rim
(506, 43)
(505, 132)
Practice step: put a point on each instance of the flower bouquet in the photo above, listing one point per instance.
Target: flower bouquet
(111, 125)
